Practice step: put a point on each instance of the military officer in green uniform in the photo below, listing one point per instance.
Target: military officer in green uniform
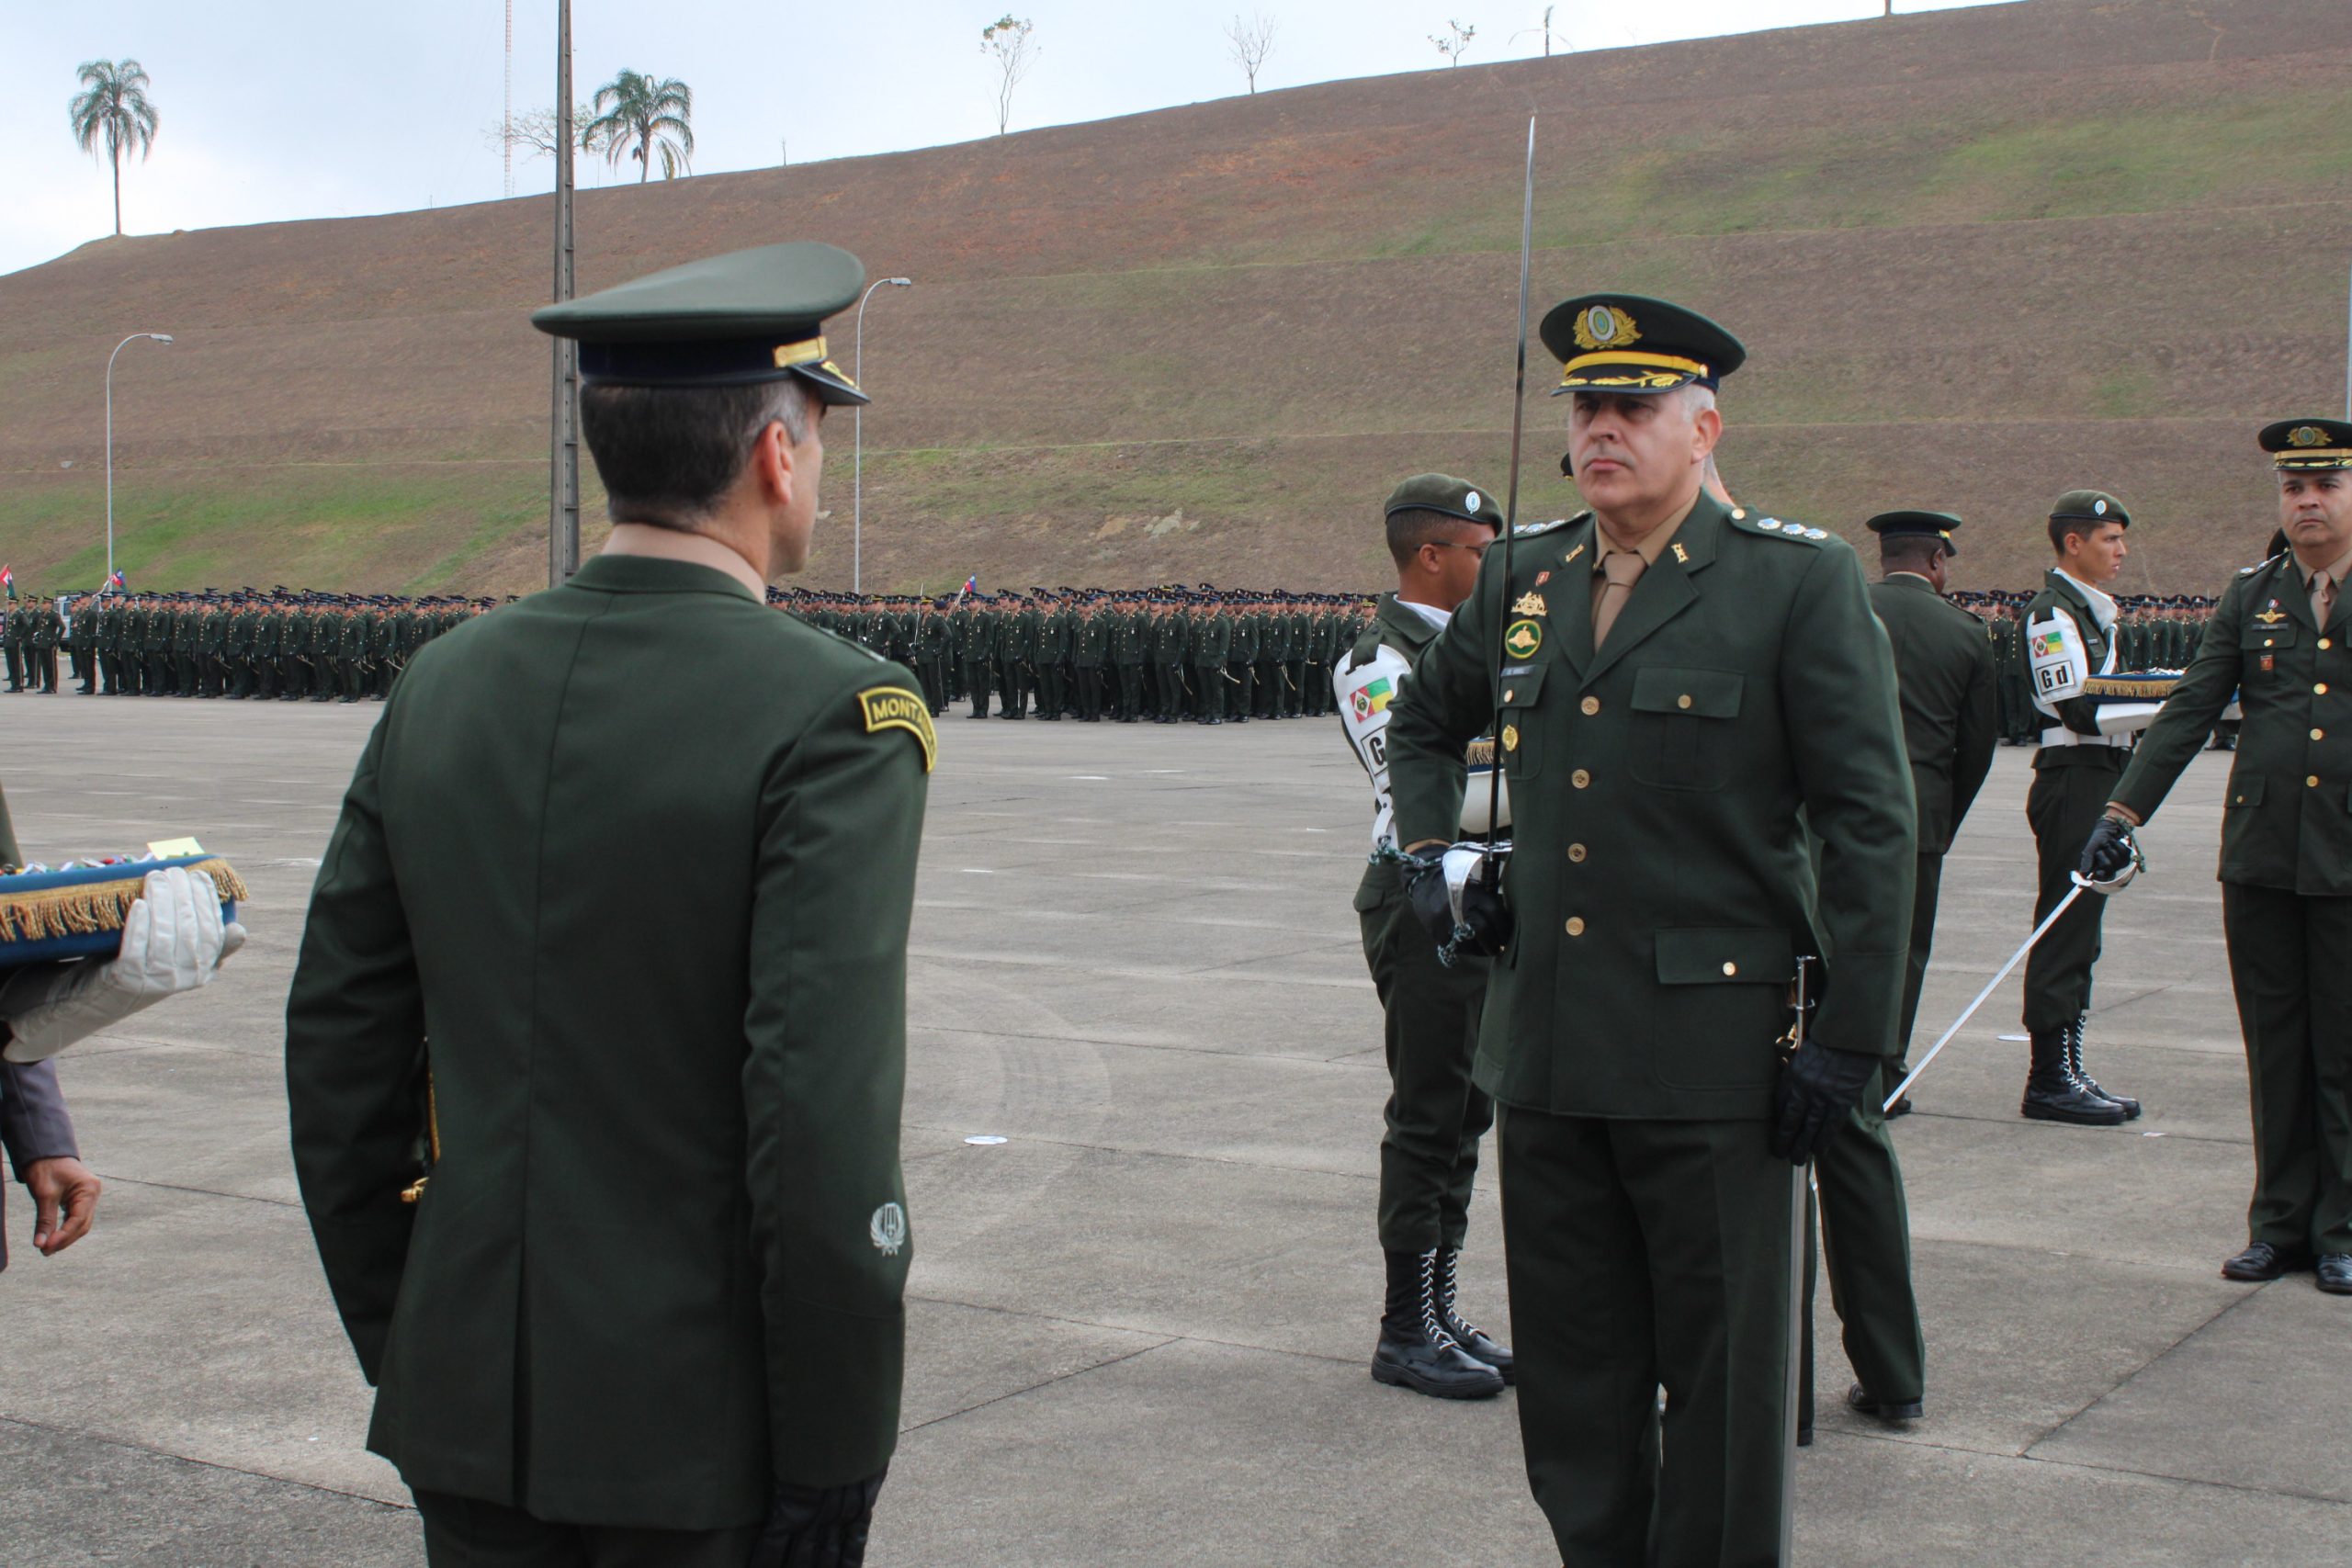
(1945, 678)
(1437, 527)
(1684, 687)
(627, 954)
(2280, 644)
(2070, 646)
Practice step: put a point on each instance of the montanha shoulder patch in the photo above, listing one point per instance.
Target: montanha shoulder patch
(895, 707)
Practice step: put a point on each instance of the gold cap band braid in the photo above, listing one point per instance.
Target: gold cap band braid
(2316, 458)
(1674, 362)
(811, 352)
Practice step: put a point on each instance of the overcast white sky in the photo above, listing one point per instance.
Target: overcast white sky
(294, 108)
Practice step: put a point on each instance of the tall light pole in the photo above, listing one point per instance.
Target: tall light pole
(157, 337)
(857, 455)
(563, 421)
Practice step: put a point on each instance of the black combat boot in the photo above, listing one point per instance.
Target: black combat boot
(1414, 1352)
(2052, 1093)
(1473, 1342)
(2074, 1066)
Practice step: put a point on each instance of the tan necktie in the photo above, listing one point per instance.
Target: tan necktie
(2323, 598)
(1622, 568)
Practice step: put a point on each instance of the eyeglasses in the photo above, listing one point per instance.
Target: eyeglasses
(1479, 549)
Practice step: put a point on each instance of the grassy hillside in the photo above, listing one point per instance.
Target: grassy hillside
(1979, 257)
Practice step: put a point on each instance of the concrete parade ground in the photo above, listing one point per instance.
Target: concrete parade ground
(1139, 1326)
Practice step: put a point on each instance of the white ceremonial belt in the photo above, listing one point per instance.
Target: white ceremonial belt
(2059, 735)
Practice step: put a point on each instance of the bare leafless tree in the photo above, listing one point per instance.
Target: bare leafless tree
(1012, 42)
(1453, 45)
(533, 133)
(1250, 40)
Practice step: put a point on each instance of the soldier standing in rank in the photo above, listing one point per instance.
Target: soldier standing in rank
(1017, 649)
(82, 638)
(1053, 658)
(49, 630)
(1167, 636)
(1090, 646)
(2070, 643)
(979, 654)
(1437, 528)
(1130, 644)
(1212, 640)
(1242, 661)
(2278, 645)
(931, 655)
(633, 1316)
(1945, 679)
(1688, 687)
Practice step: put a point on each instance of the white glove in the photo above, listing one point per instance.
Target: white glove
(173, 940)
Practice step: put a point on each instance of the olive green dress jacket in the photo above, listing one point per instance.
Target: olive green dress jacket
(2286, 822)
(1943, 660)
(1660, 790)
(636, 856)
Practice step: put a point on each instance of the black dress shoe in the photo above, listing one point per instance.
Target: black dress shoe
(2262, 1262)
(1862, 1399)
(2335, 1273)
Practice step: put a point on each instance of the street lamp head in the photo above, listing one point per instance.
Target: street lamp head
(900, 282)
(161, 337)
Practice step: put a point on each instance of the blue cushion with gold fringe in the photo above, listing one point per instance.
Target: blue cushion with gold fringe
(50, 915)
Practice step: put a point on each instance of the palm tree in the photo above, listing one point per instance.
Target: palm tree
(643, 116)
(113, 105)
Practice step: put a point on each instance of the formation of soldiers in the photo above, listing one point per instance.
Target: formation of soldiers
(281, 644)
(2152, 633)
(1124, 655)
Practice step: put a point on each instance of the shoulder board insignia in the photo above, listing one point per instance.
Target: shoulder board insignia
(1528, 530)
(895, 707)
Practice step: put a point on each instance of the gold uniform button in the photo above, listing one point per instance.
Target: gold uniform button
(1730, 969)
(1576, 925)
(1511, 696)
(2272, 642)
(2241, 800)
(2312, 783)
(1577, 853)
(2326, 642)
(1683, 701)
(1589, 707)
(1581, 779)
(2319, 734)
(2320, 690)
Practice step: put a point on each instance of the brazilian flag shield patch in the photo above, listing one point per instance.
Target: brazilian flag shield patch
(895, 707)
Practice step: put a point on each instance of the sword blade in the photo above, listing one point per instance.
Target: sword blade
(1970, 1011)
(1793, 1390)
(1517, 429)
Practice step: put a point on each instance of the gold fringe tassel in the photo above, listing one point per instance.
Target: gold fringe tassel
(79, 910)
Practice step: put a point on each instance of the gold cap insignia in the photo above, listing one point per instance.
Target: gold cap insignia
(1531, 604)
(811, 352)
(1605, 326)
(2308, 436)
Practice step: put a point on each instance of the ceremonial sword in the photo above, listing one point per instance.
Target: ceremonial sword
(1970, 1011)
(1511, 506)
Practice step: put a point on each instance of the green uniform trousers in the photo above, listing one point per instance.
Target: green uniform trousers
(2291, 962)
(1643, 1254)
(1924, 890)
(1208, 683)
(2062, 806)
(465, 1532)
(1866, 1247)
(1429, 1156)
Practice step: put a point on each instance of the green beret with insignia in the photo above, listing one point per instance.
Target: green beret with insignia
(730, 321)
(1628, 342)
(1919, 524)
(1444, 494)
(2301, 445)
(2089, 506)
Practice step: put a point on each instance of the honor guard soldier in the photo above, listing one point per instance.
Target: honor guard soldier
(2086, 740)
(624, 947)
(1684, 686)
(1945, 681)
(2276, 645)
(1437, 527)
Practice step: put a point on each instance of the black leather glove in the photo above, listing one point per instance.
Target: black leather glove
(1484, 926)
(2108, 849)
(1817, 1086)
(818, 1526)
